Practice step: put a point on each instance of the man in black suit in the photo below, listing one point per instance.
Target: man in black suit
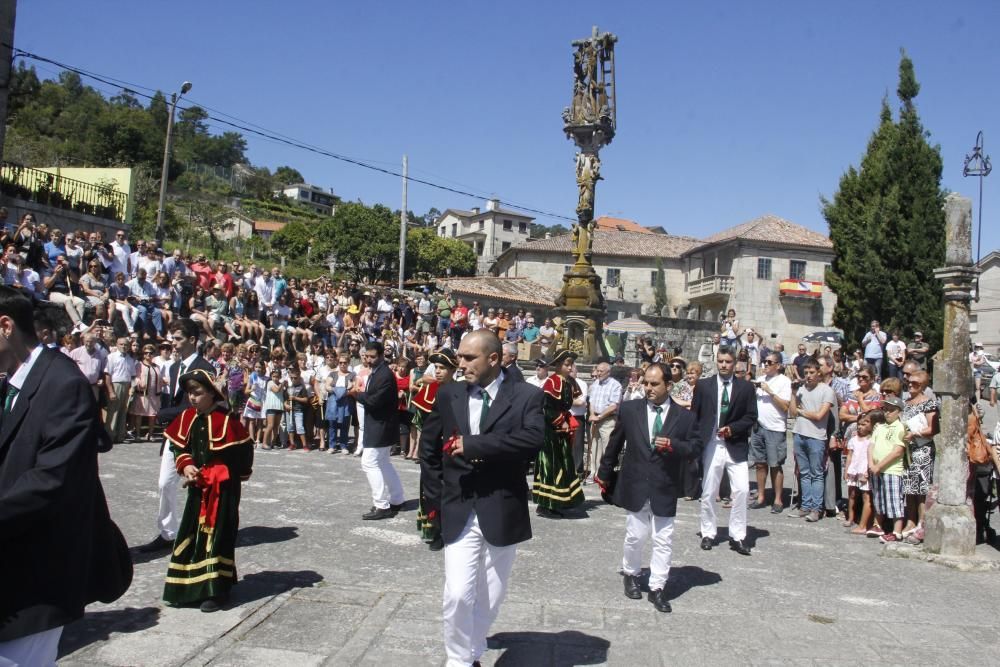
(726, 410)
(508, 363)
(184, 334)
(381, 403)
(662, 436)
(473, 450)
(59, 549)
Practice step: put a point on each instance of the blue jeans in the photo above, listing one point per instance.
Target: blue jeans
(444, 326)
(809, 454)
(337, 433)
(151, 319)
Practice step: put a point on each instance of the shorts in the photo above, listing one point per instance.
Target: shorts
(887, 492)
(275, 412)
(855, 481)
(297, 423)
(769, 447)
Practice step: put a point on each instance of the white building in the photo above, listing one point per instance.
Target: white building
(318, 199)
(489, 233)
(771, 271)
(984, 321)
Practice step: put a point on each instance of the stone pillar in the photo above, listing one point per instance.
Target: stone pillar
(950, 528)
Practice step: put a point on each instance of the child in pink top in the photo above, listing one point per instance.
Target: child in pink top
(856, 474)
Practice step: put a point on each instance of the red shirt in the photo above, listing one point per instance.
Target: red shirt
(204, 275)
(226, 281)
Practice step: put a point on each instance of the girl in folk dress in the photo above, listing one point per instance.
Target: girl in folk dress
(557, 486)
(145, 394)
(429, 518)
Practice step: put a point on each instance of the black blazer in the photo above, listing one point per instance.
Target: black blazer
(178, 402)
(741, 418)
(514, 372)
(488, 478)
(381, 401)
(647, 474)
(58, 545)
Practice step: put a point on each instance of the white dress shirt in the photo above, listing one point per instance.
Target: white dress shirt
(21, 374)
(651, 416)
(476, 402)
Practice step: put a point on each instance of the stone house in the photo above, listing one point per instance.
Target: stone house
(984, 321)
(489, 233)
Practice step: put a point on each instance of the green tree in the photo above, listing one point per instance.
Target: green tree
(429, 255)
(363, 240)
(660, 290)
(285, 175)
(212, 220)
(539, 231)
(293, 240)
(887, 227)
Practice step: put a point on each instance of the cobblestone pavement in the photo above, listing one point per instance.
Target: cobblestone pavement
(320, 586)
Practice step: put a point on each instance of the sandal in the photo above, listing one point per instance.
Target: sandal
(874, 532)
(858, 531)
(912, 539)
(846, 523)
(907, 533)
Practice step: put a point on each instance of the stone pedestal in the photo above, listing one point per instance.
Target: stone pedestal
(949, 526)
(580, 313)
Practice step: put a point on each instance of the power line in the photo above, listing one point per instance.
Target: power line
(256, 130)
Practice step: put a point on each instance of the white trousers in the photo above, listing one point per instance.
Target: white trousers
(600, 433)
(382, 477)
(716, 460)
(638, 527)
(37, 650)
(168, 518)
(360, 444)
(476, 575)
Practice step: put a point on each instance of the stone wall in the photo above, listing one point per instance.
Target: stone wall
(58, 218)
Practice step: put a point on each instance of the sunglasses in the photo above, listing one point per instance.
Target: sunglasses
(676, 366)
(768, 362)
(864, 377)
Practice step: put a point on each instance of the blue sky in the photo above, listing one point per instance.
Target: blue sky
(727, 110)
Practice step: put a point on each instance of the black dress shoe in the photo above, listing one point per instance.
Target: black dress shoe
(437, 544)
(707, 543)
(376, 514)
(159, 544)
(546, 513)
(632, 589)
(659, 600)
(212, 604)
(739, 547)
(397, 508)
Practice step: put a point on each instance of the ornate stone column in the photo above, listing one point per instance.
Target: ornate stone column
(950, 527)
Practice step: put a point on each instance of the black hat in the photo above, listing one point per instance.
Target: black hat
(205, 379)
(561, 355)
(444, 357)
(541, 363)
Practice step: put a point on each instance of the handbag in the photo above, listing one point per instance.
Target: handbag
(977, 448)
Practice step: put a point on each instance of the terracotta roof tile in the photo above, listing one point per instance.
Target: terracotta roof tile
(620, 224)
(268, 225)
(620, 244)
(773, 230)
(517, 290)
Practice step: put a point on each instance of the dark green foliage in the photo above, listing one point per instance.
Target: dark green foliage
(539, 231)
(887, 227)
(363, 240)
(660, 291)
(286, 175)
(430, 255)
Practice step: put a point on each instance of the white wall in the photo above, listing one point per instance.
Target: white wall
(986, 313)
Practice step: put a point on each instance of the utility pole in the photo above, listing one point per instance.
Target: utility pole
(402, 228)
(7, 11)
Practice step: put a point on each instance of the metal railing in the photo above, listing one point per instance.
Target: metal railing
(61, 192)
(710, 285)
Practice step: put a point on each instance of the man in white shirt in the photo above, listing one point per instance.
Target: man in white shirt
(264, 286)
(605, 395)
(769, 443)
(541, 373)
(134, 257)
(895, 352)
(425, 312)
(142, 293)
(120, 251)
(119, 372)
(579, 410)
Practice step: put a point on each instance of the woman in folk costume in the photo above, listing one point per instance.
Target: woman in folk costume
(428, 518)
(557, 486)
(214, 453)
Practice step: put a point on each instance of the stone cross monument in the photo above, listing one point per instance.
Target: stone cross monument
(589, 121)
(950, 528)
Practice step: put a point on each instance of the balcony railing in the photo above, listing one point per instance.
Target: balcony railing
(710, 286)
(61, 192)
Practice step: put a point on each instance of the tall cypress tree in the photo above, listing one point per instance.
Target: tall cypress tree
(887, 226)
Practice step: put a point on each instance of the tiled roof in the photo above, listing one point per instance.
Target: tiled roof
(772, 230)
(268, 225)
(620, 244)
(620, 224)
(518, 290)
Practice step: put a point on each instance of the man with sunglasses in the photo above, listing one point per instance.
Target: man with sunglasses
(769, 443)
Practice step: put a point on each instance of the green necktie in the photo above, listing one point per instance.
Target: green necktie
(485, 411)
(657, 424)
(8, 399)
(724, 408)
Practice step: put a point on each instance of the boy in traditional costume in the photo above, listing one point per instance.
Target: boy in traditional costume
(429, 518)
(214, 453)
(557, 486)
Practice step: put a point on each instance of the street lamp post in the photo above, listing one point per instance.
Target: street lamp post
(174, 97)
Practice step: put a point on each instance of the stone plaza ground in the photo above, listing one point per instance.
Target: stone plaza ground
(318, 586)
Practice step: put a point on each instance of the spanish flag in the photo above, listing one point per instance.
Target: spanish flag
(800, 288)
